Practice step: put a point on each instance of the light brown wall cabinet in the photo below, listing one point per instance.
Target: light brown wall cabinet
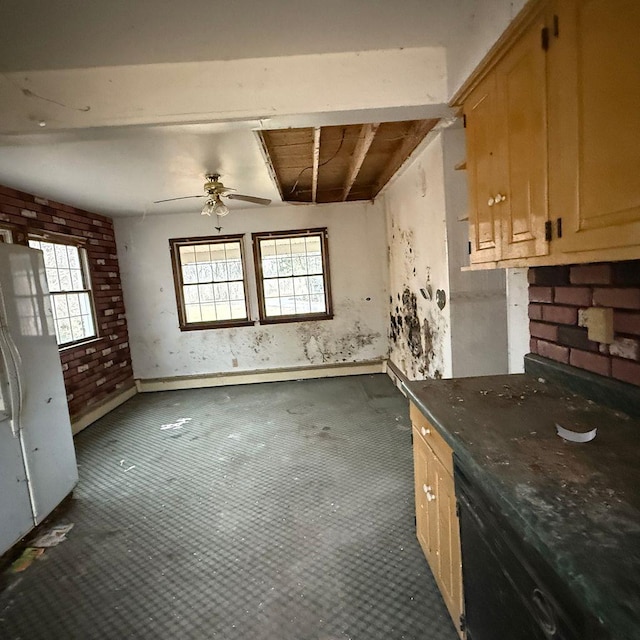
(552, 125)
(437, 527)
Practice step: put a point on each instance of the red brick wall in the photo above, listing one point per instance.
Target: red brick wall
(556, 295)
(100, 368)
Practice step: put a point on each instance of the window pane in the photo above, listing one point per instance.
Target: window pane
(302, 304)
(65, 279)
(205, 272)
(317, 303)
(313, 245)
(61, 307)
(270, 267)
(285, 266)
(208, 312)
(205, 292)
(62, 259)
(314, 264)
(288, 306)
(221, 291)
(191, 294)
(283, 247)
(300, 265)
(64, 330)
(189, 274)
(286, 286)
(272, 307)
(236, 291)
(223, 309)
(76, 279)
(238, 310)
(217, 268)
(235, 269)
(187, 255)
(192, 312)
(316, 284)
(300, 286)
(271, 289)
(73, 256)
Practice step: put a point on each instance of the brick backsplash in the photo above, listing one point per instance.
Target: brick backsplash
(101, 368)
(556, 294)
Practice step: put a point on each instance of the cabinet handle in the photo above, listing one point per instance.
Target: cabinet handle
(431, 496)
(500, 198)
(425, 431)
(491, 202)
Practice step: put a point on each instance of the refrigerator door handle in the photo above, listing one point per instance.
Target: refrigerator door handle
(11, 359)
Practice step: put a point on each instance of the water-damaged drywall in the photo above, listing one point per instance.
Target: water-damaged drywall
(419, 321)
(443, 321)
(357, 333)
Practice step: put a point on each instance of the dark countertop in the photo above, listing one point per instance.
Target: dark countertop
(578, 505)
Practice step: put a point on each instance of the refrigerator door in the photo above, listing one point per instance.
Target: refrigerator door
(15, 504)
(44, 425)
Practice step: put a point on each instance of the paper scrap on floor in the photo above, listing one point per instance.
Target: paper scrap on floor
(53, 537)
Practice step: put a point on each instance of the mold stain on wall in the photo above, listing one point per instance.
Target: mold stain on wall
(416, 338)
(321, 345)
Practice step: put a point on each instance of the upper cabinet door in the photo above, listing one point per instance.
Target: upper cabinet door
(521, 185)
(482, 117)
(594, 124)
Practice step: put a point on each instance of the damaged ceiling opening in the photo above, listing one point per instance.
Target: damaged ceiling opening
(340, 163)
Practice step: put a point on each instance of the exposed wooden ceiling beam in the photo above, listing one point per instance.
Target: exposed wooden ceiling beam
(316, 163)
(412, 139)
(367, 134)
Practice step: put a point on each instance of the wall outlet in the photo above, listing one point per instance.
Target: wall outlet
(234, 362)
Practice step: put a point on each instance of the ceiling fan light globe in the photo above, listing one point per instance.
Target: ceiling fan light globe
(221, 209)
(209, 208)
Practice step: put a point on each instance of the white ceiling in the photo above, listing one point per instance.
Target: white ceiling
(121, 170)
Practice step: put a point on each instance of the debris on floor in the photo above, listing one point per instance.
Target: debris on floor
(178, 424)
(26, 558)
(53, 537)
(133, 466)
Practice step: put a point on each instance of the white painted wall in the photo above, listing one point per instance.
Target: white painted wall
(477, 298)
(517, 318)
(357, 254)
(420, 344)
(480, 24)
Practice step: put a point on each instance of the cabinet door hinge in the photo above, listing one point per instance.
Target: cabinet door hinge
(464, 120)
(415, 522)
(463, 622)
(469, 247)
(457, 509)
(556, 26)
(544, 37)
(411, 436)
(559, 227)
(548, 231)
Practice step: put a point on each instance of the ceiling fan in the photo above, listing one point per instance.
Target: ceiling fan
(214, 191)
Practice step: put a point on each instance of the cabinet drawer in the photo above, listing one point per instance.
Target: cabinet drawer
(432, 438)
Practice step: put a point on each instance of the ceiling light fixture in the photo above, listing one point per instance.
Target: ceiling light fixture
(214, 205)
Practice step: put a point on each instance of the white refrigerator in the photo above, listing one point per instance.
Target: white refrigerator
(37, 457)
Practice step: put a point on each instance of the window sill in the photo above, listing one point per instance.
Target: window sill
(203, 326)
(305, 318)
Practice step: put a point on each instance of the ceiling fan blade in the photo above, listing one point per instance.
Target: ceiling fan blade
(253, 199)
(181, 198)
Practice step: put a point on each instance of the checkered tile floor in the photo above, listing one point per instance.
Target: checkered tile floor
(279, 511)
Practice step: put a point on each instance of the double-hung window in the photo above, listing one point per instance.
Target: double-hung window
(292, 273)
(70, 288)
(209, 278)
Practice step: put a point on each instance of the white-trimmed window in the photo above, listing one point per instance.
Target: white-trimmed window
(70, 288)
(292, 273)
(209, 278)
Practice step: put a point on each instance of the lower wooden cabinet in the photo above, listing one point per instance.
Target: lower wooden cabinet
(437, 527)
